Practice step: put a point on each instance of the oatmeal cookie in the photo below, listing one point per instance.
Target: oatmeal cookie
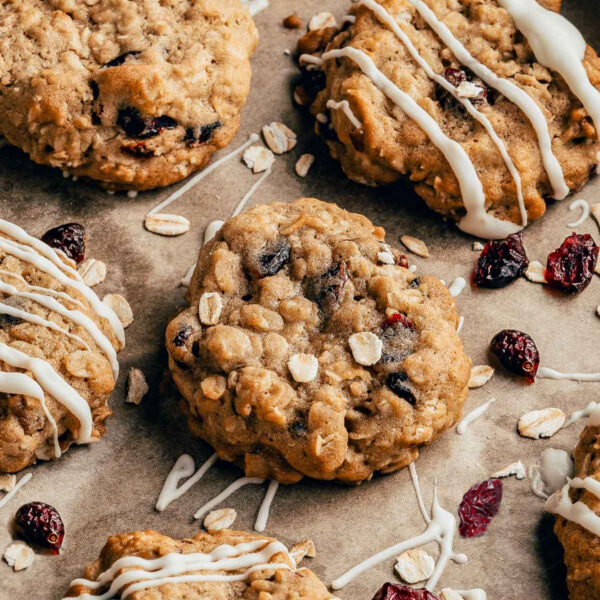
(582, 547)
(309, 348)
(264, 569)
(136, 95)
(58, 353)
(446, 94)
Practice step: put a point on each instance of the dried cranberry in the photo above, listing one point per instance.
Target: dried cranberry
(402, 261)
(42, 525)
(119, 60)
(455, 76)
(135, 125)
(501, 262)
(398, 335)
(70, 238)
(395, 591)
(517, 352)
(478, 507)
(139, 150)
(396, 383)
(182, 336)
(200, 135)
(298, 427)
(398, 319)
(270, 259)
(570, 268)
(327, 290)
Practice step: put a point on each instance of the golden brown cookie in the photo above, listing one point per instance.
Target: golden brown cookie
(133, 94)
(309, 348)
(58, 353)
(252, 567)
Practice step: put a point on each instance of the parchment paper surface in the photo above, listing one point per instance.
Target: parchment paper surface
(112, 486)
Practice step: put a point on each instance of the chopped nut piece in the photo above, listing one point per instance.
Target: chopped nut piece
(165, 224)
(415, 245)
(480, 375)
(279, 137)
(321, 21)
(19, 556)
(303, 367)
(210, 307)
(536, 272)
(120, 307)
(137, 387)
(301, 549)
(517, 469)
(477, 246)
(92, 271)
(414, 566)
(304, 164)
(220, 519)
(292, 22)
(541, 423)
(258, 158)
(366, 348)
(7, 483)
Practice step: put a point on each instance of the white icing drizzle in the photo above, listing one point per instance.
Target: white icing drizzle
(130, 574)
(183, 467)
(461, 323)
(511, 91)
(263, 513)
(228, 491)
(240, 207)
(558, 45)
(560, 504)
(457, 286)
(441, 528)
(581, 414)
(585, 212)
(475, 414)
(344, 106)
(196, 178)
(385, 16)
(554, 470)
(4, 501)
(477, 221)
(547, 373)
(42, 290)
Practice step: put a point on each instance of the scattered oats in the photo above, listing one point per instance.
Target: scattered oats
(222, 518)
(165, 224)
(468, 89)
(212, 229)
(304, 164)
(7, 483)
(137, 387)
(414, 566)
(292, 22)
(121, 308)
(187, 278)
(301, 97)
(302, 549)
(258, 158)
(303, 367)
(415, 245)
(92, 271)
(449, 594)
(279, 137)
(322, 20)
(517, 469)
(386, 258)
(480, 375)
(19, 556)
(132, 194)
(210, 307)
(541, 423)
(287, 52)
(477, 246)
(595, 210)
(536, 272)
(366, 348)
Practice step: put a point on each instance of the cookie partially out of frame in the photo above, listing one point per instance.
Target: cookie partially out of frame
(378, 142)
(309, 348)
(278, 578)
(136, 95)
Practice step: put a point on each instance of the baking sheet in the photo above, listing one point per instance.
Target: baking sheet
(112, 486)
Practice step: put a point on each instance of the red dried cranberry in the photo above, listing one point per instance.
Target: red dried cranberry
(396, 383)
(458, 76)
(182, 336)
(200, 135)
(455, 76)
(119, 60)
(478, 507)
(274, 257)
(328, 289)
(402, 261)
(570, 268)
(135, 125)
(398, 319)
(517, 352)
(395, 591)
(501, 262)
(42, 525)
(70, 238)
(139, 149)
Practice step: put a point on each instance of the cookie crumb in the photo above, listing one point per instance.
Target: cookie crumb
(304, 164)
(292, 21)
(517, 469)
(302, 549)
(137, 387)
(480, 375)
(414, 566)
(536, 272)
(19, 556)
(322, 21)
(477, 246)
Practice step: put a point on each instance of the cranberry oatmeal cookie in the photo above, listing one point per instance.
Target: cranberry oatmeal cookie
(136, 95)
(309, 348)
(58, 351)
(222, 565)
(453, 96)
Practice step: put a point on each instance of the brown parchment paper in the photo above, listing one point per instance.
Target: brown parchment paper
(112, 486)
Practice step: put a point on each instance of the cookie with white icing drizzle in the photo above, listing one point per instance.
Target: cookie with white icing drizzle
(451, 95)
(58, 353)
(146, 565)
(310, 349)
